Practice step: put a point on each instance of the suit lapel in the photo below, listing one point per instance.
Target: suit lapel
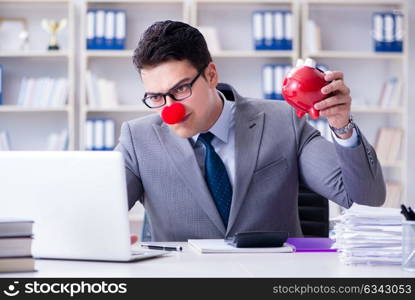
(182, 156)
(249, 124)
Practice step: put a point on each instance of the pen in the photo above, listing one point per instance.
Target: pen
(405, 212)
(166, 248)
(408, 213)
(411, 213)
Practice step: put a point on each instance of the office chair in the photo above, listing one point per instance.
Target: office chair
(313, 208)
(314, 213)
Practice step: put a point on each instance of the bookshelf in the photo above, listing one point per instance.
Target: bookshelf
(232, 20)
(103, 63)
(354, 56)
(36, 61)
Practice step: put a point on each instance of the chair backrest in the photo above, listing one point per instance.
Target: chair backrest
(314, 213)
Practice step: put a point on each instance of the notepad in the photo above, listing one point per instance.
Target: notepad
(312, 244)
(220, 246)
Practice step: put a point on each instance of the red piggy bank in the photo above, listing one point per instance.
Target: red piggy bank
(302, 88)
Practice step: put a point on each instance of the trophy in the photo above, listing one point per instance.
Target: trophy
(52, 27)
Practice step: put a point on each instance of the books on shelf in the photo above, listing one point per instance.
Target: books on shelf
(387, 30)
(100, 135)
(16, 245)
(313, 34)
(388, 144)
(369, 235)
(391, 93)
(106, 29)
(272, 79)
(100, 92)
(4, 141)
(58, 141)
(44, 92)
(272, 30)
(393, 195)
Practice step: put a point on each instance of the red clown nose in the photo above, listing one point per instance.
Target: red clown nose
(174, 113)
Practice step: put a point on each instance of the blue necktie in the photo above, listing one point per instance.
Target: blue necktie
(217, 178)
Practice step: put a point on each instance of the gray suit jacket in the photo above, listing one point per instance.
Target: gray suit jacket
(274, 151)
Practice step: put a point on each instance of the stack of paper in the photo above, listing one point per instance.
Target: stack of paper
(371, 235)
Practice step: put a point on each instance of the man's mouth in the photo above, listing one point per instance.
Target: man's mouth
(185, 118)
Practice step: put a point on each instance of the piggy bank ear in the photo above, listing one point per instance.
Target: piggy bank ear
(174, 113)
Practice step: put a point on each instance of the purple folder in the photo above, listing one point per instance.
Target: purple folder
(312, 244)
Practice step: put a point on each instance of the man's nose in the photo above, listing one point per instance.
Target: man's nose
(169, 100)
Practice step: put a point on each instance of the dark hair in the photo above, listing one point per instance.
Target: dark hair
(171, 40)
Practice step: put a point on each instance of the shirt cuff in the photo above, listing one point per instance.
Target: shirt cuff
(351, 142)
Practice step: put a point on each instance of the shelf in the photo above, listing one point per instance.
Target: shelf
(396, 164)
(376, 109)
(109, 53)
(29, 54)
(356, 2)
(134, 1)
(289, 2)
(35, 1)
(252, 54)
(219, 54)
(121, 109)
(16, 108)
(355, 55)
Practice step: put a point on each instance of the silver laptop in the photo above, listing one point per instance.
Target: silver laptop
(77, 200)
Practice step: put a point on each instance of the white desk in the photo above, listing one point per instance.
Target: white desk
(189, 263)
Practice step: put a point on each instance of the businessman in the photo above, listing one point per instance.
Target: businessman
(233, 164)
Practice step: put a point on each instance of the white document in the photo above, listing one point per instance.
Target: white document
(220, 246)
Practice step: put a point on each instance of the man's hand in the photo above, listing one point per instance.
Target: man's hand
(336, 108)
(134, 239)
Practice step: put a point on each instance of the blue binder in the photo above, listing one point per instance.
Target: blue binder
(109, 35)
(258, 30)
(120, 29)
(90, 38)
(99, 38)
(387, 32)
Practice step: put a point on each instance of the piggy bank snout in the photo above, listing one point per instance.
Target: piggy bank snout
(290, 87)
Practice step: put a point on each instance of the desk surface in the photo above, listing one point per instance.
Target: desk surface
(189, 263)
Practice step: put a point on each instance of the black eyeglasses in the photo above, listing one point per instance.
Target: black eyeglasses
(178, 93)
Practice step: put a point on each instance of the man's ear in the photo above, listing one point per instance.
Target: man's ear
(212, 75)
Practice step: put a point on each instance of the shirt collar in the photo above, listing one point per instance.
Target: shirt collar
(221, 128)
